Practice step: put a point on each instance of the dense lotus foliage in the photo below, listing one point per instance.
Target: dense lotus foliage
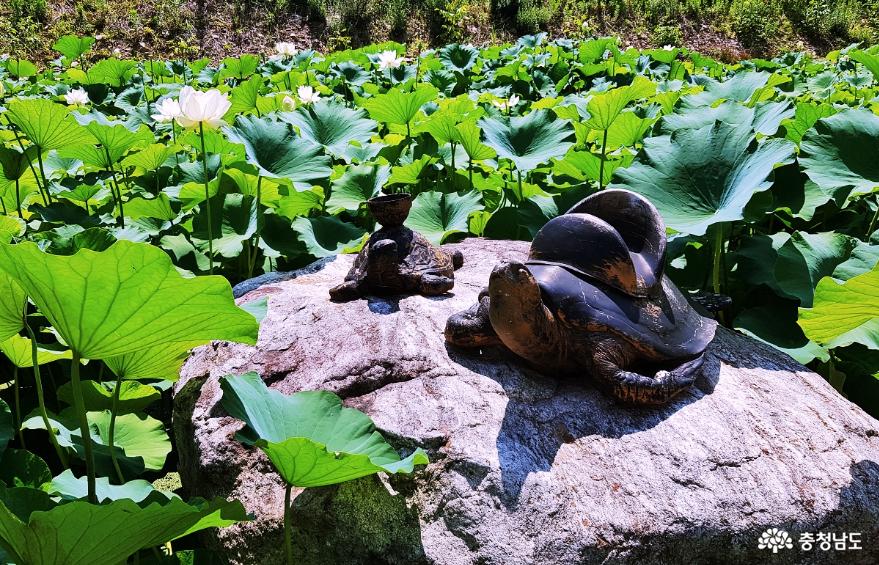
(128, 186)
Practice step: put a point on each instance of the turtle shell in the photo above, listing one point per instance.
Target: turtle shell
(600, 268)
(616, 237)
(415, 256)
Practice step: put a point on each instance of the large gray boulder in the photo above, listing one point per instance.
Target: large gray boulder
(527, 468)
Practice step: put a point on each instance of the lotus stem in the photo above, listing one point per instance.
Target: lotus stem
(718, 258)
(207, 199)
(288, 534)
(30, 163)
(118, 194)
(17, 401)
(252, 260)
(41, 400)
(111, 434)
(43, 174)
(601, 164)
(18, 198)
(873, 220)
(79, 408)
(521, 193)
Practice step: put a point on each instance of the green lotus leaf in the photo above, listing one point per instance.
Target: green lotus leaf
(411, 173)
(399, 107)
(12, 301)
(67, 486)
(73, 46)
(133, 295)
(459, 58)
(133, 396)
(47, 125)
(776, 325)
(310, 438)
(700, 177)
(7, 429)
(805, 117)
(149, 158)
(529, 140)
(21, 468)
(42, 532)
(841, 152)
(437, 215)
(140, 442)
(806, 258)
(301, 203)
(605, 108)
(245, 96)
(21, 68)
(332, 126)
(274, 149)
(234, 218)
(869, 60)
(327, 235)
(159, 362)
(469, 136)
(15, 166)
(11, 228)
(844, 313)
(18, 350)
(740, 88)
(357, 185)
(863, 258)
(111, 71)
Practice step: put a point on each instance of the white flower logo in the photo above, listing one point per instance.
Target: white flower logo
(775, 539)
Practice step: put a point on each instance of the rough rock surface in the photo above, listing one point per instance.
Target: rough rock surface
(526, 468)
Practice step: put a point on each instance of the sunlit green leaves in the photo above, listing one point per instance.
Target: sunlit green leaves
(326, 235)
(530, 140)
(397, 106)
(357, 185)
(332, 126)
(699, 177)
(436, 215)
(844, 313)
(46, 124)
(126, 298)
(310, 438)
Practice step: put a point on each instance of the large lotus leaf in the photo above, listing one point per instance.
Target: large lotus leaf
(397, 106)
(72, 46)
(116, 139)
(436, 215)
(844, 313)
(46, 124)
(605, 108)
(740, 88)
(869, 60)
(111, 71)
(469, 136)
(805, 117)
(159, 362)
(140, 442)
(18, 350)
(841, 152)
(21, 468)
(583, 165)
(311, 439)
(12, 301)
(245, 96)
(7, 430)
(234, 221)
(97, 396)
(277, 152)
(806, 258)
(327, 235)
(126, 298)
(777, 325)
(10, 228)
(357, 185)
(301, 203)
(700, 177)
(332, 126)
(862, 259)
(149, 158)
(67, 486)
(48, 534)
(460, 58)
(530, 140)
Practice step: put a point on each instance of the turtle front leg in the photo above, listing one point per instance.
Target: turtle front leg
(630, 387)
(434, 285)
(472, 327)
(348, 290)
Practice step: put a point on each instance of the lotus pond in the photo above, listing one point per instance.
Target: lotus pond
(134, 192)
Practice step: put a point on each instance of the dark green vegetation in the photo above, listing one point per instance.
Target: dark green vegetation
(725, 29)
(118, 205)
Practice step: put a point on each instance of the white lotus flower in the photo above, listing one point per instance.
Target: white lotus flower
(74, 63)
(668, 47)
(117, 52)
(202, 108)
(77, 97)
(168, 110)
(389, 60)
(504, 105)
(288, 104)
(285, 48)
(307, 94)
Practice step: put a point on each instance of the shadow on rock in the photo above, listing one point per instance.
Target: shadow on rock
(545, 412)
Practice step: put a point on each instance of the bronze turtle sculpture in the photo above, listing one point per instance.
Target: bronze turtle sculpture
(396, 259)
(592, 297)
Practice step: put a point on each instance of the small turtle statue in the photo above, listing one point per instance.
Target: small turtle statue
(592, 297)
(396, 259)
